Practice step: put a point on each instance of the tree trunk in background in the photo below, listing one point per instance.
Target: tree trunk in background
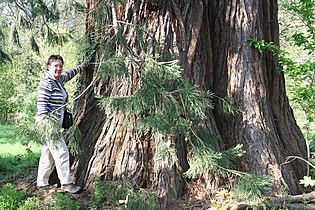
(265, 125)
(210, 38)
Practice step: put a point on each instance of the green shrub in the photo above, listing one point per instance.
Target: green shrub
(142, 200)
(109, 191)
(64, 201)
(59, 202)
(29, 159)
(32, 203)
(252, 187)
(114, 192)
(6, 163)
(10, 198)
(16, 164)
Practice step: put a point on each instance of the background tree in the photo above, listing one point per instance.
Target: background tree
(296, 61)
(30, 32)
(210, 41)
(265, 124)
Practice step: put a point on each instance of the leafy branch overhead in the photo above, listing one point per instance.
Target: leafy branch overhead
(301, 73)
(38, 18)
(163, 103)
(167, 104)
(306, 12)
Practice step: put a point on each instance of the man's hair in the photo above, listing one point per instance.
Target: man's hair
(54, 58)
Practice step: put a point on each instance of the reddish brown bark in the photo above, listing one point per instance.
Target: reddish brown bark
(265, 125)
(210, 39)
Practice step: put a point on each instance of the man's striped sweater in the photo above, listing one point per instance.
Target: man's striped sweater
(49, 94)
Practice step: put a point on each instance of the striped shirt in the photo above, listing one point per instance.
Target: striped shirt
(50, 97)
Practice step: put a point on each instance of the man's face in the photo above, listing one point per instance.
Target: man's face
(55, 68)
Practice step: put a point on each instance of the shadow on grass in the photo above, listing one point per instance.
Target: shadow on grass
(17, 164)
(7, 134)
(15, 158)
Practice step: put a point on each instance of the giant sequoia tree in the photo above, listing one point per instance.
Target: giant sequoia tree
(209, 40)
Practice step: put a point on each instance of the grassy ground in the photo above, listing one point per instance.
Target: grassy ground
(18, 169)
(15, 158)
(10, 144)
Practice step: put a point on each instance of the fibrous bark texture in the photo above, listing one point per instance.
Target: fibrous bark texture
(265, 125)
(210, 41)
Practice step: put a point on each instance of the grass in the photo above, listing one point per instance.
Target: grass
(13, 199)
(10, 143)
(15, 157)
(121, 195)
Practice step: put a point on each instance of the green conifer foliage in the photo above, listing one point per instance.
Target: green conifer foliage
(167, 105)
(164, 104)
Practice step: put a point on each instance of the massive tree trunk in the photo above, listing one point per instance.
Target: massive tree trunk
(210, 39)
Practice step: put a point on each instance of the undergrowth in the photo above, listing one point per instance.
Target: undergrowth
(252, 187)
(13, 199)
(11, 165)
(10, 198)
(245, 188)
(121, 195)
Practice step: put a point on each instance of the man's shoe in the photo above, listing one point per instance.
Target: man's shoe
(71, 188)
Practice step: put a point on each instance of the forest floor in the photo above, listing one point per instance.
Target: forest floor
(196, 199)
(27, 183)
(13, 154)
